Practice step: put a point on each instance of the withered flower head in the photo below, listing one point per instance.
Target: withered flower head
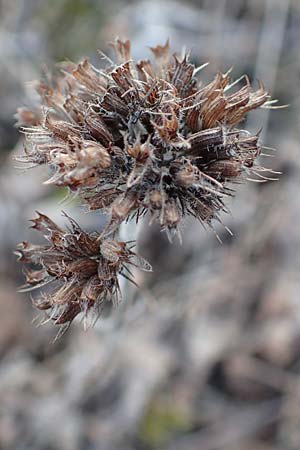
(132, 139)
(146, 137)
(82, 267)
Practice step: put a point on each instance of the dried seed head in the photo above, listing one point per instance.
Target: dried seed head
(151, 127)
(131, 139)
(83, 267)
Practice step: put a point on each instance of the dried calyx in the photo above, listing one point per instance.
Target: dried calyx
(133, 139)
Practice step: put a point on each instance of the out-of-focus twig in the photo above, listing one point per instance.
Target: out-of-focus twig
(268, 54)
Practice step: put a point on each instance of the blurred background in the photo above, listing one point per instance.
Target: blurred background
(206, 355)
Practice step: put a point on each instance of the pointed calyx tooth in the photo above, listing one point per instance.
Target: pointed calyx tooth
(87, 75)
(162, 54)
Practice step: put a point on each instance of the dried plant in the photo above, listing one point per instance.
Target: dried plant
(83, 267)
(132, 140)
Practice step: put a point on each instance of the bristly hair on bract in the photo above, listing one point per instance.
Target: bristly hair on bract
(133, 140)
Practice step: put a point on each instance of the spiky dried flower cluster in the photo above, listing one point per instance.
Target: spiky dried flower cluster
(83, 267)
(141, 138)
